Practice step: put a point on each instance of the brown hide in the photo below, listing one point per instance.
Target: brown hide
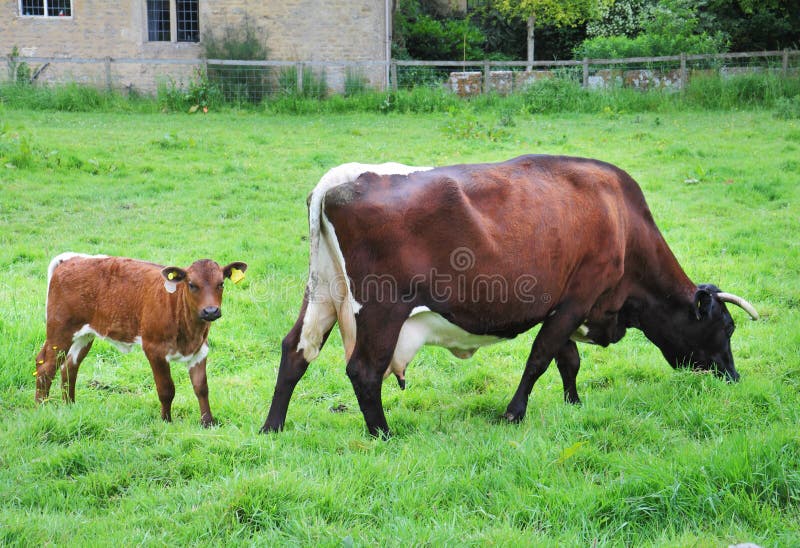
(127, 301)
(495, 249)
(568, 228)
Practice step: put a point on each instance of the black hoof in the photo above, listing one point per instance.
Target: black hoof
(513, 418)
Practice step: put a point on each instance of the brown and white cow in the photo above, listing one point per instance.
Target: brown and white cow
(468, 255)
(167, 310)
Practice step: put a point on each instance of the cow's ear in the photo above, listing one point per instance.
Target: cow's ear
(703, 301)
(173, 274)
(235, 271)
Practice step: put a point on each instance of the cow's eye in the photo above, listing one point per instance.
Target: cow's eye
(221, 286)
(192, 287)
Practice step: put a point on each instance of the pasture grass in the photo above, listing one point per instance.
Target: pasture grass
(654, 457)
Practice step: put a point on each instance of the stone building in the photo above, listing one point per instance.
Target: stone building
(134, 35)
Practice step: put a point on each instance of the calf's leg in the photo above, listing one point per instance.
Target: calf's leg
(69, 372)
(163, 378)
(200, 384)
(50, 357)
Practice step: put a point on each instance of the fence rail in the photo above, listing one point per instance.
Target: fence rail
(279, 76)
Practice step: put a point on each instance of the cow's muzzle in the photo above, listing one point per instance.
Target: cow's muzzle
(210, 313)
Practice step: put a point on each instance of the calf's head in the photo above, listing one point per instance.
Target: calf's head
(703, 338)
(202, 285)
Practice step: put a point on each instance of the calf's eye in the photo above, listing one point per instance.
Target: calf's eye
(192, 287)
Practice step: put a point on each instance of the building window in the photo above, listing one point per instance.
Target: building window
(158, 20)
(187, 20)
(46, 8)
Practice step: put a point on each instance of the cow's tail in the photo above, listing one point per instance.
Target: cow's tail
(328, 292)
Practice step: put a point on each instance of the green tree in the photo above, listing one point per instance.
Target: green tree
(557, 13)
(754, 25)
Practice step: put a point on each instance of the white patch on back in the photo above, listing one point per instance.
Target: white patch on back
(190, 360)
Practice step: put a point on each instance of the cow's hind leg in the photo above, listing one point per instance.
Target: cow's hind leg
(69, 370)
(376, 338)
(197, 373)
(50, 358)
(293, 364)
(569, 362)
(552, 337)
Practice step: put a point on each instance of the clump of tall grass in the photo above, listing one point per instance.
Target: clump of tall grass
(549, 96)
(741, 91)
(787, 109)
(69, 97)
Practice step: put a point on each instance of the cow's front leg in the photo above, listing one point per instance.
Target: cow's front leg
(164, 385)
(552, 337)
(569, 362)
(200, 384)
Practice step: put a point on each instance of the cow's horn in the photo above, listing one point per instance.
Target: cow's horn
(738, 301)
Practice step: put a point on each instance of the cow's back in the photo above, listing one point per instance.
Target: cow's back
(108, 293)
(534, 216)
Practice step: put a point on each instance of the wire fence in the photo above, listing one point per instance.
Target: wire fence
(253, 81)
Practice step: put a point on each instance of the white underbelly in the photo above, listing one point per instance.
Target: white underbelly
(425, 327)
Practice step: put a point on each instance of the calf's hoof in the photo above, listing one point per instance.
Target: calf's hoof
(207, 421)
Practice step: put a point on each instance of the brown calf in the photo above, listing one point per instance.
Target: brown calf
(167, 311)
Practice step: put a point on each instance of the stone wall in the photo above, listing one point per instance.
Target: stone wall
(294, 30)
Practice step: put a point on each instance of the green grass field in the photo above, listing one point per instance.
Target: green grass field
(653, 457)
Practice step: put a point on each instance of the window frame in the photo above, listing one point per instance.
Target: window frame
(189, 25)
(45, 15)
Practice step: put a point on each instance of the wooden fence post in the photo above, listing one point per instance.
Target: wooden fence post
(394, 75)
(684, 74)
(785, 62)
(299, 78)
(486, 70)
(107, 64)
(585, 72)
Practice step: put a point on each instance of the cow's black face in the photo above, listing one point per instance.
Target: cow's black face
(704, 342)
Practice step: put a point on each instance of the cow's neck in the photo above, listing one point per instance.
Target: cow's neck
(662, 295)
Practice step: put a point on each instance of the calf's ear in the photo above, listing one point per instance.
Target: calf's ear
(173, 274)
(235, 271)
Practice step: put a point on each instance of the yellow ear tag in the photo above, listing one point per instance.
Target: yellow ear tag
(35, 373)
(236, 275)
(171, 276)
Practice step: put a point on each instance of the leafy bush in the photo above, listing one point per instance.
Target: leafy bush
(19, 72)
(648, 45)
(663, 28)
(201, 94)
(420, 35)
(787, 109)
